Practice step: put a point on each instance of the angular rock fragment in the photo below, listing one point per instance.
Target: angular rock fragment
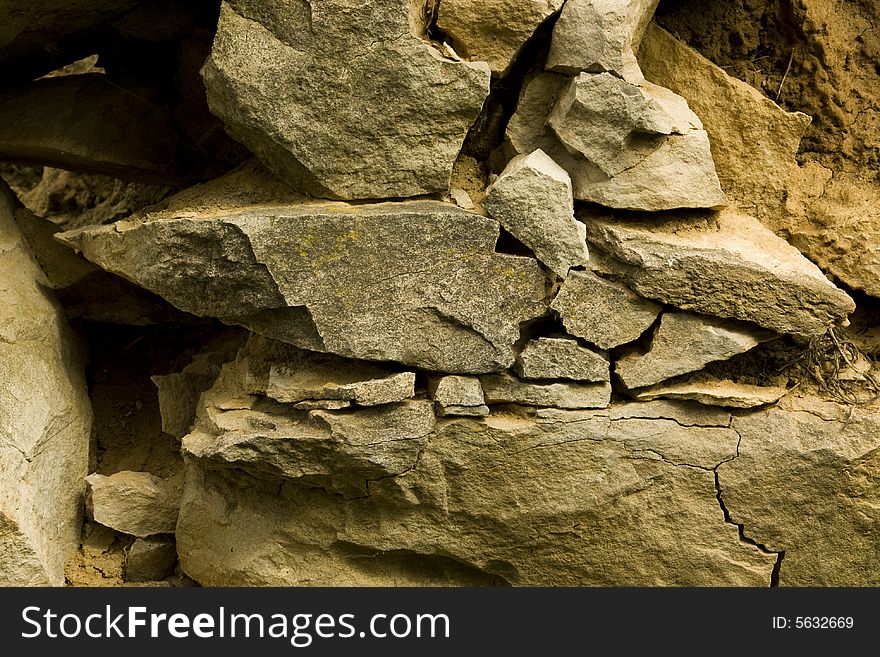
(810, 491)
(713, 392)
(414, 282)
(686, 413)
(45, 419)
(136, 503)
(754, 141)
(493, 31)
(600, 35)
(603, 312)
(561, 358)
(507, 389)
(458, 395)
(727, 265)
(532, 199)
(678, 173)
(293, 84)
(685, 342)
(150, 560)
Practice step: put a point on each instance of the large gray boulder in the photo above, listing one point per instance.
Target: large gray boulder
(343, 100)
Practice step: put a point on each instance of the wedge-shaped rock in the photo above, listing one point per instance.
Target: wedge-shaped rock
(458, 395)
(507, 389)
(592, 502)
(532, 199)
(685, 342)
(754, 141)
(603, 312)
(136, 503)
(414, 282)
(600, 35)
(678, 173)
(294, 83)
(810, 491)
(45, 419)
(728, 265)
(561, 358)
(715, 392)
(493, 31)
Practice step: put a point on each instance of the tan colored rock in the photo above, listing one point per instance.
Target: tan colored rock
(754, 141)
(714, 392)
(495, 31)
(45, 419)
(135, 503)
(150, 560)
(505, 388)
(417, 282)
(561, 358)
(685, 342)
(728, 265)
(686, 413)
(603, 312)
(804, 483)
(280, 71)
(458, 395)
(532, 199)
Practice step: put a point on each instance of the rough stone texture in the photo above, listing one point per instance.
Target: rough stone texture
(150, 560)
(135, 503)
(45, 420)
(468, 508)
(811, 491)
(600, 35)
(337, 278)
(678, 174)
(493, 31)
(713, 392)
(728, 265)
(507, 389)
(603, 312)
(685, 342)
(754, 141)
(281, 71)
(458, 395)
(532, 199)
(561, 358)
(686, 413)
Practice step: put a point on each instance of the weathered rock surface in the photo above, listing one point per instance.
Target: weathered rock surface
(494, 31)
(810, 491)
(135, 503)
(458, 395)
(728, 265)
(686, 413)
(507, 389)
(45, 420)
(714, 392)
(685, 342)
(678, 173)
(603, 312)
(307, 91)
(415, 282)
(150, 560)
(600, 35)
(532, 199)
(561, 358)
(754, 141)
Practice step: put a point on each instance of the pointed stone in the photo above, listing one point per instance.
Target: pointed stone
(293, 83)
(728, 265)
(561, 358)
(505, 388)
(458, 395)
(685, 342)
(603, 312)
(715, 392)
(136, 503)
(532, 199)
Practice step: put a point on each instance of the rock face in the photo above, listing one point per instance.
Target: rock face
(293, 83)
(458, 395)
(45, 420)
(508, 389)
(727, 266)
(416, 282)
(532, 199)
(684, 343)
(561, 358)
(495, 31)
(150, 560)
(135, 503)
(603, 312)
(677, 172)
(713, 392)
